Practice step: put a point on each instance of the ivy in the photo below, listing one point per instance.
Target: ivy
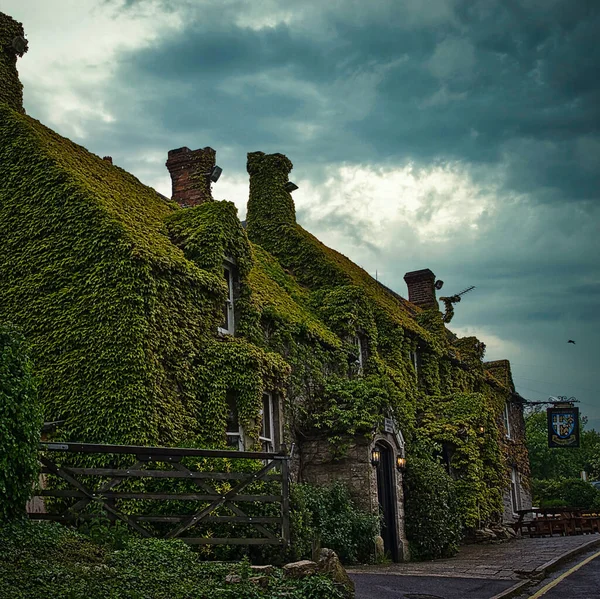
(20, 424)
(120, 293)
(11, 90)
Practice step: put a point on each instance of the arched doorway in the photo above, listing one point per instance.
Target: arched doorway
(386, 494)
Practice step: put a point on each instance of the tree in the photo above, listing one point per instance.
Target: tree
(554, 463)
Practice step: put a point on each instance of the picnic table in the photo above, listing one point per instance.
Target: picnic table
(562, 521)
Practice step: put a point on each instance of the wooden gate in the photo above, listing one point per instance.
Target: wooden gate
(217, 491)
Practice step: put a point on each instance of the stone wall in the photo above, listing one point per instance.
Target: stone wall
(318, 467)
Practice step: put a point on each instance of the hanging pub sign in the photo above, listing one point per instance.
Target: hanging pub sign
(563, 427)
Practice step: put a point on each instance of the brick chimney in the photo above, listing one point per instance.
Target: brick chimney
(108, 159)
(421, 289)
(190, 175)
(12, 45)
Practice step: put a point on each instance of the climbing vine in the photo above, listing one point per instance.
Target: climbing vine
(20, 423)
(11, 90)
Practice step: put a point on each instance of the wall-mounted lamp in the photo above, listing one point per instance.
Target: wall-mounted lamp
(215, 173)
(400, 463)
(482, 429)
(375, 456)
(289, 187)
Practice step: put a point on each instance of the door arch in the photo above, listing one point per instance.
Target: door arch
(386, 495)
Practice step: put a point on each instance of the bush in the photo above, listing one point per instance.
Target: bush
(41, 559)
(327, 514)
(433, 524)
(570, 492)
(20, 425)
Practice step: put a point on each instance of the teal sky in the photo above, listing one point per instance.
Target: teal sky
(457, 135)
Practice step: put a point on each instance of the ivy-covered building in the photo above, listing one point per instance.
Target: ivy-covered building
(169, 322)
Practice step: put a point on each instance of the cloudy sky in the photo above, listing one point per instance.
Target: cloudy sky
(457, 135)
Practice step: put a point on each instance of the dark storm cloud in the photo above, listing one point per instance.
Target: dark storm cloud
(513, 83)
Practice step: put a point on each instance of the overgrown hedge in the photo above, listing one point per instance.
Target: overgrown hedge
(433, 523)
(20, 424)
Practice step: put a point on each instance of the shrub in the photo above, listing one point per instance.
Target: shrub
(329, 515)
(20, 425)
(569, 492)
(41, 559)
(433, 524)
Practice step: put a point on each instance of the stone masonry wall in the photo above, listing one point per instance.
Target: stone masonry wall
(318, 467)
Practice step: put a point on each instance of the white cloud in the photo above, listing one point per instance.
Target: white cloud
(73, 46)
(432, 205)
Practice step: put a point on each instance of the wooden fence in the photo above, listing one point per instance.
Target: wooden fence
(215, 503)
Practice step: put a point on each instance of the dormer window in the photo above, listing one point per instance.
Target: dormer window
(228, 324)
(267, 430)
(506, 419)
(235, 433)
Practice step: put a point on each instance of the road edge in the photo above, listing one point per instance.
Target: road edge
(542, 571)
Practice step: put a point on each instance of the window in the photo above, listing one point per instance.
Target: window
(267, 431)
(515, 496)
(228, 325)
(360, 351)
(414, 358)
(235, 433)
(506, 419)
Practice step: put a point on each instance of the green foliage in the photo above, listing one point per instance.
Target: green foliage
(114, 312)
(328, 516)
(570, 492)
(556, 463)
(121, 294)
(49, 560)
(351, 407)
(455, 422)
(20, 424)
(432, 514)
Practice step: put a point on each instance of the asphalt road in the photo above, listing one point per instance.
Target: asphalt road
(389, 586)
(583, 583)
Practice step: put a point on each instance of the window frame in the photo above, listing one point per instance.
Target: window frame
(361, 359)
(229, 266)
(240, 432)
(414, 358)
(506, 419)
(268, 443)
(515, 493)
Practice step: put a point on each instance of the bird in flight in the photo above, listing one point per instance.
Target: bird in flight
(571, 341)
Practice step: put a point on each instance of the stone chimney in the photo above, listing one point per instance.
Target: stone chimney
(12, 45)
(190, 175)
(421, 288)
(270, 204)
